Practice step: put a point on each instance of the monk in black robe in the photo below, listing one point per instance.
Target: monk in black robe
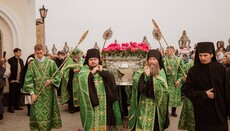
(208, 89)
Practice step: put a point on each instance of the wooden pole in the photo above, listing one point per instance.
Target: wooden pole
(82, 38)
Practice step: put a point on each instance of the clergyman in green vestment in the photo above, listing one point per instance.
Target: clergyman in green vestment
(149, 99)
(69, 83)
(99, 107)
(187, 120)
(174, 66)
(44, 112)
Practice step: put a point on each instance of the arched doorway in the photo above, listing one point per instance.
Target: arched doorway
(9, 32)
(0, 44)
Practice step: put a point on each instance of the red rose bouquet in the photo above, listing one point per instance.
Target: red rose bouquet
(126, 49)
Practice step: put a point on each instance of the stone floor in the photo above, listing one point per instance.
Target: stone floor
(19, 121)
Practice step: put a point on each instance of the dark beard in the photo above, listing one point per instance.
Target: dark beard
(91, 67)
(154, 69)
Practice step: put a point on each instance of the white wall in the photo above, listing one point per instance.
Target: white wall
(19, 19)
(130, 20)
(7, 41)
(17, 25)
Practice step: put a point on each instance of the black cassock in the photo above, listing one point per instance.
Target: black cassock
(210, 114)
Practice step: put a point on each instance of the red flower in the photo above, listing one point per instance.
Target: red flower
(133, 49)
(133, 44)
(126, 49)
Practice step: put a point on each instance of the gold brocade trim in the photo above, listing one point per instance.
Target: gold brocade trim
(100, 128)
(145, 119)
(101, 97)
(98, 81)
(100, 114)
(83, 99)
(38, 88)
(49, 121)
(137, 129)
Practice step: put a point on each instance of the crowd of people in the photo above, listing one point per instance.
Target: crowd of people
(201, 78)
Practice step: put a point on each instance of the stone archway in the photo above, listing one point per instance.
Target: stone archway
(0, 44)
(9, 36)
(10, 21)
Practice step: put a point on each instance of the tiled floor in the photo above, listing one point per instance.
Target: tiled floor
(19, 121)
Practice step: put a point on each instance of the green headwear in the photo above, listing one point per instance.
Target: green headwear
(76, 52)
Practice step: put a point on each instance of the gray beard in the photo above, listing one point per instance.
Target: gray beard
(154, 69)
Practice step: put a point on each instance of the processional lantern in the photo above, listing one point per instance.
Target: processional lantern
(184, 41)
(54, 50)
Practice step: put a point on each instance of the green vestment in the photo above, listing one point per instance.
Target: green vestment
(143, 110)
(94, 118)
(173, 75)
(70, 64)
(44, 113)
(187, 120)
